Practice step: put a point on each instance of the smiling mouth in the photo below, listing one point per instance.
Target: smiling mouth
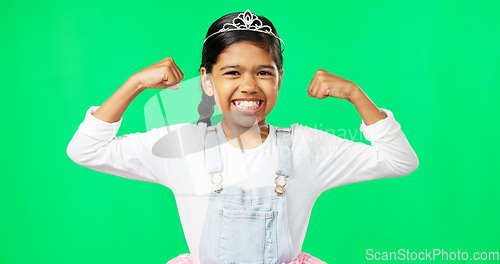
(250, 106)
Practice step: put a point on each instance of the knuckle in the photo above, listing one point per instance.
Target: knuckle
(165, 74)
(319, 74)
(168, 61)
(165, 60)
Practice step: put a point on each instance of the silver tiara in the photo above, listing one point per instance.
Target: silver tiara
(247, 21)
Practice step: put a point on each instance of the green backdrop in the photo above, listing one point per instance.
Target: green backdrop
(433, 63)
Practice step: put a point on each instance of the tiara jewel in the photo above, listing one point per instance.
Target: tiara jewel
(247, 21)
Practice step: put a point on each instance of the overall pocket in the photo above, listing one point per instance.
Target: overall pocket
(247, 237)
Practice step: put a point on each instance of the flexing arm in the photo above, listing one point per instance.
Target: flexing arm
(95, 144)
(339, 161)
(112, 110)
(368, 111)
(163, 74)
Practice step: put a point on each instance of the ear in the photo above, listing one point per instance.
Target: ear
(281, 77)
(206, 82)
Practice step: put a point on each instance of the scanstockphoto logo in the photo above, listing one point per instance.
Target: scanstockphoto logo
(351, 134)
(179, 111)
(435, 254)
(328, 141)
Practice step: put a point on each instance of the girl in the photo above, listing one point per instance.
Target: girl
(244, 188)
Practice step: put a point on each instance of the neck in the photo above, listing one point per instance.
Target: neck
(246, 137)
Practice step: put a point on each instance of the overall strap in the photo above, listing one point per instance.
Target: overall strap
(284, 138)
(212, 157)
(214, 164)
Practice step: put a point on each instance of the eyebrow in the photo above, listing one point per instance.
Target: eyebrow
(238, 66)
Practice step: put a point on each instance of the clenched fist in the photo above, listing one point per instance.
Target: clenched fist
(161, 75)
(325, 84)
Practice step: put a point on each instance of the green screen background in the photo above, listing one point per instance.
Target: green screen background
(433, 63)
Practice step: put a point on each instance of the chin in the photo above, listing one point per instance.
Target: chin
(243, 120)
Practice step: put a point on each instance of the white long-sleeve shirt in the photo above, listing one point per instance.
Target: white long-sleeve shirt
(173, 156)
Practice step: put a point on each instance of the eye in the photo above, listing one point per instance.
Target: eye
(232, 73)
(266, 73)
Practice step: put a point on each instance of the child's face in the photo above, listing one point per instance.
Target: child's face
(245, 72)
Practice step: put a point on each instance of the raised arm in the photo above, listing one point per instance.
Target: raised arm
(95, 144)
(368, 111)
(338, 161)
(112, 109)
(161, 75)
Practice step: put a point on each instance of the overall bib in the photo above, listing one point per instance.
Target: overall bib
(247, 226)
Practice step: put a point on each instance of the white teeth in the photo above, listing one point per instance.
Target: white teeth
(247, 104)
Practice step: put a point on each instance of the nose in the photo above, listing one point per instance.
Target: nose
(248, 85)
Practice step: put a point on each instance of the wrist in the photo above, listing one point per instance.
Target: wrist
(135, 85)
(355, 94)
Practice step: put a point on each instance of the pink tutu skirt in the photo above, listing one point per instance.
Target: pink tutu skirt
(302, 258)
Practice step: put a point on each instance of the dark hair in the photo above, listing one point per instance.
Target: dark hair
(217, 43)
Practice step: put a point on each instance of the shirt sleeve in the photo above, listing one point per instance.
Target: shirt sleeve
(336, 161)
(95, 146)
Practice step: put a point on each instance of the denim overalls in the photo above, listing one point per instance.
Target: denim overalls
(247, 226)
